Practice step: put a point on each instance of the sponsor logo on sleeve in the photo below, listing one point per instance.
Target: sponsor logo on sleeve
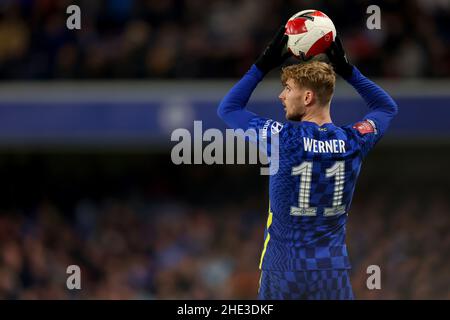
(365, 127)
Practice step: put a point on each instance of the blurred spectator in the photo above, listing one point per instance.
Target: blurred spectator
(127, 255)
(136, 239)
(208, 39)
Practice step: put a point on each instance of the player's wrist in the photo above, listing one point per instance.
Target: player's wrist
(262, 66)
(346, 70)
(255, 72)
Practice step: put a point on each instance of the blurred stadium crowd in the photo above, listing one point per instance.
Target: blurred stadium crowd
(217, 38)
(191, 236)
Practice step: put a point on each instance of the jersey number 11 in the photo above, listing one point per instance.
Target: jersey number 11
(304, 170)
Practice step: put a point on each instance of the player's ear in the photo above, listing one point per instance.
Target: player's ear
(308, 98)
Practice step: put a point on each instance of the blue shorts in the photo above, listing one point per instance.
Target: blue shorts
(305, 285)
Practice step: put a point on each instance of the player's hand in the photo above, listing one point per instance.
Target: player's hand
(275, 53)
(338, 59)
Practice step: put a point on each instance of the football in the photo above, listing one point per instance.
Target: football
(310, 33)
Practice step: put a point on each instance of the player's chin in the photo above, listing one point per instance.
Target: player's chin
(293, 117)
(288, 115)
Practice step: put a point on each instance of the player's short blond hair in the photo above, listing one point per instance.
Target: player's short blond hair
(315, 75)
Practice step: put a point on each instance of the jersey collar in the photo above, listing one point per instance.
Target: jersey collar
(313, 124)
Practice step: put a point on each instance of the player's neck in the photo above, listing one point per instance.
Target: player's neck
(319, 116)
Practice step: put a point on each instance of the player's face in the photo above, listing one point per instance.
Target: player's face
(293, 99)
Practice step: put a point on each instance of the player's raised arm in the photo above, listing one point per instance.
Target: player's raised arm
(232, 107)
(382, 107)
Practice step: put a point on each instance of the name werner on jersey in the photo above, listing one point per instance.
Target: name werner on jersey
(326, 146)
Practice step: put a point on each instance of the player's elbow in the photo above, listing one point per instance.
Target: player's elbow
(222, 110)
(391, 106)
(394, 108)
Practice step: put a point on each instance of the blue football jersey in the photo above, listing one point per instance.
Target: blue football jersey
(311, 191)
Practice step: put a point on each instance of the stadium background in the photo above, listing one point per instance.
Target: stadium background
(87, 179)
